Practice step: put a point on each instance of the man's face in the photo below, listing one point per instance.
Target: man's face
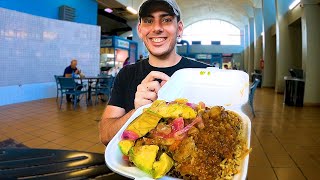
(74, 64)
(159, 32)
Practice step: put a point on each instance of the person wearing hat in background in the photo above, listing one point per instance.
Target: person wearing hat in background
(136, 85)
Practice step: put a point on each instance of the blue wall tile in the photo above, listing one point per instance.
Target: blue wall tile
(86, 10)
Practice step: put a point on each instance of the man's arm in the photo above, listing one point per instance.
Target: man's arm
(112, 120)
(68, 75)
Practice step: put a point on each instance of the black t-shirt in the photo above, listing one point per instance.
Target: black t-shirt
(129, 77)
(68, 70)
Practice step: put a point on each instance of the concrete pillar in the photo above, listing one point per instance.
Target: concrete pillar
(251, 45)
(257, 37)
(243, 46)
(310, 52)
(283, 53)
(269, 19)
(246, 48)
(135, 37)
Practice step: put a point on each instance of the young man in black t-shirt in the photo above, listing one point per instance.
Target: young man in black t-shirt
(137, 85)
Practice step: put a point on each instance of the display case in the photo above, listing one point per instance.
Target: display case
(116, 52)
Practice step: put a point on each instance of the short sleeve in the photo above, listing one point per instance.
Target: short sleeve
(68, 70)
(117, 93)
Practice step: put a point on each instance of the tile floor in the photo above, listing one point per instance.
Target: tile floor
(285, 140)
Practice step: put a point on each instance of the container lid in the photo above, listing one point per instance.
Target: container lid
(212, 86)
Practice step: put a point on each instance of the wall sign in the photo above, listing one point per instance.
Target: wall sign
(123, 44)
(106, 42)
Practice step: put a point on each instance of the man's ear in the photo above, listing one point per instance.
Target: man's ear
(180, 28)
(139, 30)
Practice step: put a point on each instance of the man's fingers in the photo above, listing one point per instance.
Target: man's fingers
(162, 83)
(155, 75)
(153, 86)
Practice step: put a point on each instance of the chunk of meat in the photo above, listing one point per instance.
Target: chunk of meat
(186, 148)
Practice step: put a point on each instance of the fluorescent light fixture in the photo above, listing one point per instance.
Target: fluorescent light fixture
(131, 10)
(294, 4)
(108, 10)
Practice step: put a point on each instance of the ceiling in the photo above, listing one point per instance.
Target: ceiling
(236, 12)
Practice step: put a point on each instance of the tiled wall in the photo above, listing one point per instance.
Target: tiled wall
(33, 49)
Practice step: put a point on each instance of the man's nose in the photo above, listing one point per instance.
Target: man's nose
(157, 27)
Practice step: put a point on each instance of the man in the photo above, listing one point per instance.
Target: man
(72, 69)
(70, 72)
(138, 84)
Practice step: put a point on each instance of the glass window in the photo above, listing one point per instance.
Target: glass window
(212, 30)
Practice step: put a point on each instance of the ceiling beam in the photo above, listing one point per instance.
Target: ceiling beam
(112, 16)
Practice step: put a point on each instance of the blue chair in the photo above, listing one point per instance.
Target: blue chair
(58, 85)
(69, 86)
(251, 94)
(104, 86)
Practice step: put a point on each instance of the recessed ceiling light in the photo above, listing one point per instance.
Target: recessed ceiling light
(108, 10)
(131, 10)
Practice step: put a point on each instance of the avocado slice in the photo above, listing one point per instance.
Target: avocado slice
(147, 121)
(163, 166)
(144, 157)
(125, 146)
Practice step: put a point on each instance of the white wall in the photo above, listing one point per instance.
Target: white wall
(33, 49)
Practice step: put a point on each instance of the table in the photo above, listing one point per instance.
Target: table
(90, 80)
(53, 164)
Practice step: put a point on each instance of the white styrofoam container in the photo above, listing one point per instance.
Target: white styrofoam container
(212, 86)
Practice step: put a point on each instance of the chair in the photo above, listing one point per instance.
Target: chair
(251, 94)
(58, 85)
(104, 86)
(69, 86)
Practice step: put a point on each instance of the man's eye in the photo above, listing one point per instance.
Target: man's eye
(167, 20)
(147, 21)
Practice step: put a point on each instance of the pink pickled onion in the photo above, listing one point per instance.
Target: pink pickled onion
(192, 105)
(177, 124)
(187, 128)
(125, 158)
(129, 135)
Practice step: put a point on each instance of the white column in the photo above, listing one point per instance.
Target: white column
(284, 54)
(269, 19)
(257, 37)
(251, 45)
(310, 52)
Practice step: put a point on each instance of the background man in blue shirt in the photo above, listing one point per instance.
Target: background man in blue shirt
(70, 72)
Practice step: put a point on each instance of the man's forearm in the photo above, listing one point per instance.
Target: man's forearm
(109, 127)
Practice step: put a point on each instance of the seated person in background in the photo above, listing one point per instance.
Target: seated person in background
(70, 72)
(225, 66)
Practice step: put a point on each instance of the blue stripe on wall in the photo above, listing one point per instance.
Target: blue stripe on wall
(86, 10)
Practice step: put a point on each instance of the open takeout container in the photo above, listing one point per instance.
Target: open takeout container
(228, 88)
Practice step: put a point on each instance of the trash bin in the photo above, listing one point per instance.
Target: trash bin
(294, 88)
(257, 75)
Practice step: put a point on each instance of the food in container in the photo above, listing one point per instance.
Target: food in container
(217, 88)
(185, 140)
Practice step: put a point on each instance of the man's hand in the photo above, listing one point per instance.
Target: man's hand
(147, 91)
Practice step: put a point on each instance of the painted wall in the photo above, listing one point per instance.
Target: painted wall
(36, 48)
(86, 10)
